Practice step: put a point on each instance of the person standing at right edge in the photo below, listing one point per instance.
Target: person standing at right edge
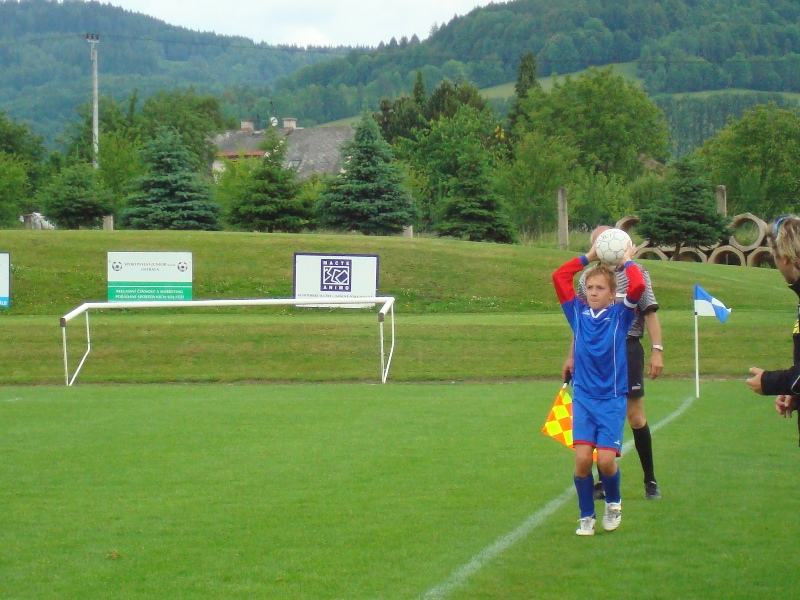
(784, 384)
(646, 317)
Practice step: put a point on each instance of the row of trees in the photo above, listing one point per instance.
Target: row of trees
(441, 161)
(678, 72)
(477, 178)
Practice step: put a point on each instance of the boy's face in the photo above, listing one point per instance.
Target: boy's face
(598, 292)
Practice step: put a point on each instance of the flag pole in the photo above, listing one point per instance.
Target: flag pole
(696, 359)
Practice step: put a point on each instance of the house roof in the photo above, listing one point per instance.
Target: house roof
(310, 150)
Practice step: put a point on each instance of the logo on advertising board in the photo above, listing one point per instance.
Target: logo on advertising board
(337, 275)
(149, 276)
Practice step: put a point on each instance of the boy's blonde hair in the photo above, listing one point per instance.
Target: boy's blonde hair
(784, 239)
(601, 270)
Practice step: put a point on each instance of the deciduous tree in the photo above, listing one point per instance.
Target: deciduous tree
(613, 124)
(530, 182)
(757, 158)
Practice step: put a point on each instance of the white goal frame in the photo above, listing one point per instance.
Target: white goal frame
(387, 301)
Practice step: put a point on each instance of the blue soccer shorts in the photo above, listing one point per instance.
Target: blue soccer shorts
(599, 423)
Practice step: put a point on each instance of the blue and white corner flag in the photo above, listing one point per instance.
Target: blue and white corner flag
(705, 305)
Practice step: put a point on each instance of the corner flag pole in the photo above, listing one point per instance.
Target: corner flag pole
(696, 359)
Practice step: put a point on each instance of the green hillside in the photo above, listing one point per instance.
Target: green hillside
(426, 275)
(464, 310)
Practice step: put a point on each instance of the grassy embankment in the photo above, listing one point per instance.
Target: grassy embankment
(464, 311)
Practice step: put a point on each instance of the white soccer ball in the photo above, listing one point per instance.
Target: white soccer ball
(611, 245)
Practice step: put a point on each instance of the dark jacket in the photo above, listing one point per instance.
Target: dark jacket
(787, 381)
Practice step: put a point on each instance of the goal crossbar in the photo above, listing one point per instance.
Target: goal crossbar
(386, 301)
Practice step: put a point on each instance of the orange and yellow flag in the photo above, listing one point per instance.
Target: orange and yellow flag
(559, 423)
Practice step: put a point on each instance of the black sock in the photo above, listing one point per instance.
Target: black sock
(644, 446)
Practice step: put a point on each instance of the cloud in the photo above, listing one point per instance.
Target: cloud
(304, 22)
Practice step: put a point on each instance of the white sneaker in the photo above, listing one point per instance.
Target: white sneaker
(612, 516)
(586, 526)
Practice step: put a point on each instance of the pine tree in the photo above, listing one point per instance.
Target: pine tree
(472, 210)
(267, 199)
(369, 196)
(171, 195)
(687, 215)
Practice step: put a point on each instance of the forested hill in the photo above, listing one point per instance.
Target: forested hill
(45, 69)
(679, 46)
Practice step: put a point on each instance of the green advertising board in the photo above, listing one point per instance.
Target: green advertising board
(149, 276)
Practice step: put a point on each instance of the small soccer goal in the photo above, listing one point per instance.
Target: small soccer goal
(387, 307)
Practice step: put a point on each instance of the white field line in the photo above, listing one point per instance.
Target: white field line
(459, 577)
(12, 399)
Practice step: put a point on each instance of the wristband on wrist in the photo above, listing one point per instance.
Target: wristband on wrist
(658, 347)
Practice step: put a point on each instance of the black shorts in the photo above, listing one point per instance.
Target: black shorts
(635, 368)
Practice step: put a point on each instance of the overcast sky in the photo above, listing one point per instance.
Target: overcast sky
(304, 22)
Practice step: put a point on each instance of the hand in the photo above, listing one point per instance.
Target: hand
(629, 252)
(591, 255)
(755, 381)
(785, 405)
(569, 369)
(656, 364)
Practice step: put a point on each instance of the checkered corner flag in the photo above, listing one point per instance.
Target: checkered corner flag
(705, 305)
(559, 422)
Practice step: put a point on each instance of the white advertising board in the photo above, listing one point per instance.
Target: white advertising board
(5, 280)
(149, 276)
(336, 276)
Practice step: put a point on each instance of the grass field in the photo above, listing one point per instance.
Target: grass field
(367, 491)
(231, 348)
(172, 471)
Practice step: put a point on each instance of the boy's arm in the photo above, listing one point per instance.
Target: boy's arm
(564, 276)
(635, 284)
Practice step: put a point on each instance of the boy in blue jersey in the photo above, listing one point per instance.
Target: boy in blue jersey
(600, 379)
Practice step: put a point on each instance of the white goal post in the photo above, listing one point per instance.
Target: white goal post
(387, 301)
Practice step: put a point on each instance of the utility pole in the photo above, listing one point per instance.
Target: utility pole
(94, 39)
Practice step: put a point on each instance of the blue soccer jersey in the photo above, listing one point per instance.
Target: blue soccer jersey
(601, 362)
(601, 365)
